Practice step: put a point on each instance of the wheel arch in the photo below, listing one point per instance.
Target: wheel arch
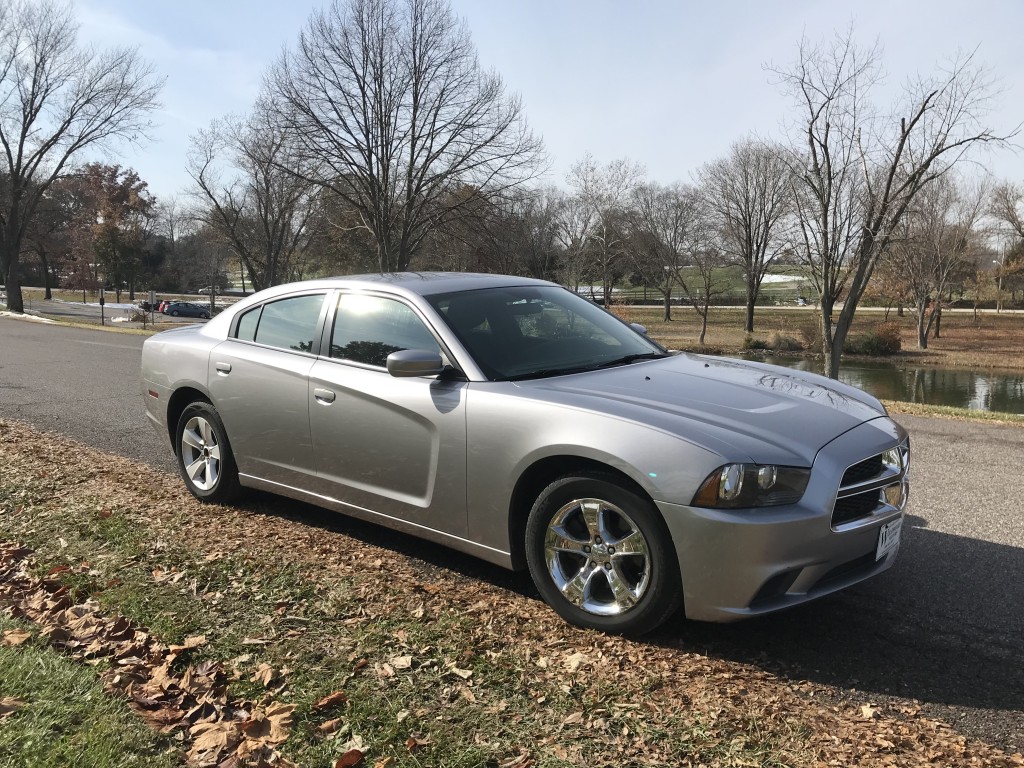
(177, 403)
(539, 476)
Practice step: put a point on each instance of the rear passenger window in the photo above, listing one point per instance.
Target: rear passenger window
(369, 328)
(247, 325)
(288, 323)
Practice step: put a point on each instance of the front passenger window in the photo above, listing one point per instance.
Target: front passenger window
(369, 328)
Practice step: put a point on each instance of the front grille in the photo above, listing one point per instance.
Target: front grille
(854, 507)
(861, 491)
(863, 470)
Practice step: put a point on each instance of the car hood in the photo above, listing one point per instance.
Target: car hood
(744, 410)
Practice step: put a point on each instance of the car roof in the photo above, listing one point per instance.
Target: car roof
(420, 283)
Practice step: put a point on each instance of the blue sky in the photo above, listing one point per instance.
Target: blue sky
(668, 84)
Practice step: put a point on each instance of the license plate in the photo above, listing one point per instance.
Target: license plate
(888, 538)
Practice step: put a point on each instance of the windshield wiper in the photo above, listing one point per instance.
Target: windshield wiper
(548, 372)
(627, 359)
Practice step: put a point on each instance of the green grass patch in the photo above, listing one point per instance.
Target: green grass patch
(67, 719)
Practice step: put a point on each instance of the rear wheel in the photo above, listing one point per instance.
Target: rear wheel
(174, 313)
(601, 556)
(204, 455)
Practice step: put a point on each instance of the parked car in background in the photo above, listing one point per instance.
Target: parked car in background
(185, 309)
(515, 421)
(206, 291)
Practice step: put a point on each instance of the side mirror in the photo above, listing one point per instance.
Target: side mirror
(414, 362)
(639, 328)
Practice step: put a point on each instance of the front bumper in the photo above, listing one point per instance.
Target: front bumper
(741, 563)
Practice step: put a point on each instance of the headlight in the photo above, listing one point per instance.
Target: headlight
(752, 485)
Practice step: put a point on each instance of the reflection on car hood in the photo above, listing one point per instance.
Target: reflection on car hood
(768, 413)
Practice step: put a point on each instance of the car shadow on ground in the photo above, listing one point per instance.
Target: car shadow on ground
(944, 626)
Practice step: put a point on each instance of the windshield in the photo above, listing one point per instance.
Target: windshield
(527, 332)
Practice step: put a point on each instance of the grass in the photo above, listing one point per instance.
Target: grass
(438, 668)
(950, 412)
(67, 719)
(992, 341)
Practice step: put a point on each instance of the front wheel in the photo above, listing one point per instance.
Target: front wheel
(601, 556)
(174, 313)
(204, 455)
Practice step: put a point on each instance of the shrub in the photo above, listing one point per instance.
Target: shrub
(882, 340)
(750, 343)
(781, 343)
(810, 333)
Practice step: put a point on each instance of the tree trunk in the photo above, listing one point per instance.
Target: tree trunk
(15, 301)
(48, 295)
(668, 307)
(749, 324)
(938, 320)
(922, 326)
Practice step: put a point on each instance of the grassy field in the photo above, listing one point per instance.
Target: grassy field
(992, 340)
(369, 653)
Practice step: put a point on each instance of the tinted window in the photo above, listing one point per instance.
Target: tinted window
(526, 331)
(290, 323)
(369, 328)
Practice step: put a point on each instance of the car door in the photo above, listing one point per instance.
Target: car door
(258, 380)
(396, 446)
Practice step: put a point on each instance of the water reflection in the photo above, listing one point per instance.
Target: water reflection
(977, 390)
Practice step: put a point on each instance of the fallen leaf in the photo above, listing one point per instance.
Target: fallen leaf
(281, 720)
(209, 740)
(386, 762)
(869, 712)
(351, 759)
(574, 661)
(10, 705)
(330, 726)
(263, 675)
(401, 662)
(16, 636)
(415, 742)
(465, 674)
(331, 700)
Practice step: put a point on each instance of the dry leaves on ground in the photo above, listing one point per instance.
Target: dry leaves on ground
(220, 731)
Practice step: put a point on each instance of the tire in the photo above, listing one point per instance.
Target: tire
(205, 315)
(205, 461)
(572, 535)
(174, 313)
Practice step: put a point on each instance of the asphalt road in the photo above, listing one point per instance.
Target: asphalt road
(944, 626)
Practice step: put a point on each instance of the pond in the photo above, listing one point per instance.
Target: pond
(963, 388)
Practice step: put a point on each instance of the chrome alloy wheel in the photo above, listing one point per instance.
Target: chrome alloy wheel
(597, 557)
(200, 453)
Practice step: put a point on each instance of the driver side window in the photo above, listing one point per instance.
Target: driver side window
(369, 328)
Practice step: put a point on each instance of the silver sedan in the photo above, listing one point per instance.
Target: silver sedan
(512, 420)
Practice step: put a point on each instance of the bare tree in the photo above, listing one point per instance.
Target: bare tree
(856, 172)
(57, 100)
(389, 105)
(573, 221)
(701, 278)
(748, 193)
(248, 199)
(934, 243)
(662, 220)
(604, 193)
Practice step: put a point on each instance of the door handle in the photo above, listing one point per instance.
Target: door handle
(324, 396)
(223, 368)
